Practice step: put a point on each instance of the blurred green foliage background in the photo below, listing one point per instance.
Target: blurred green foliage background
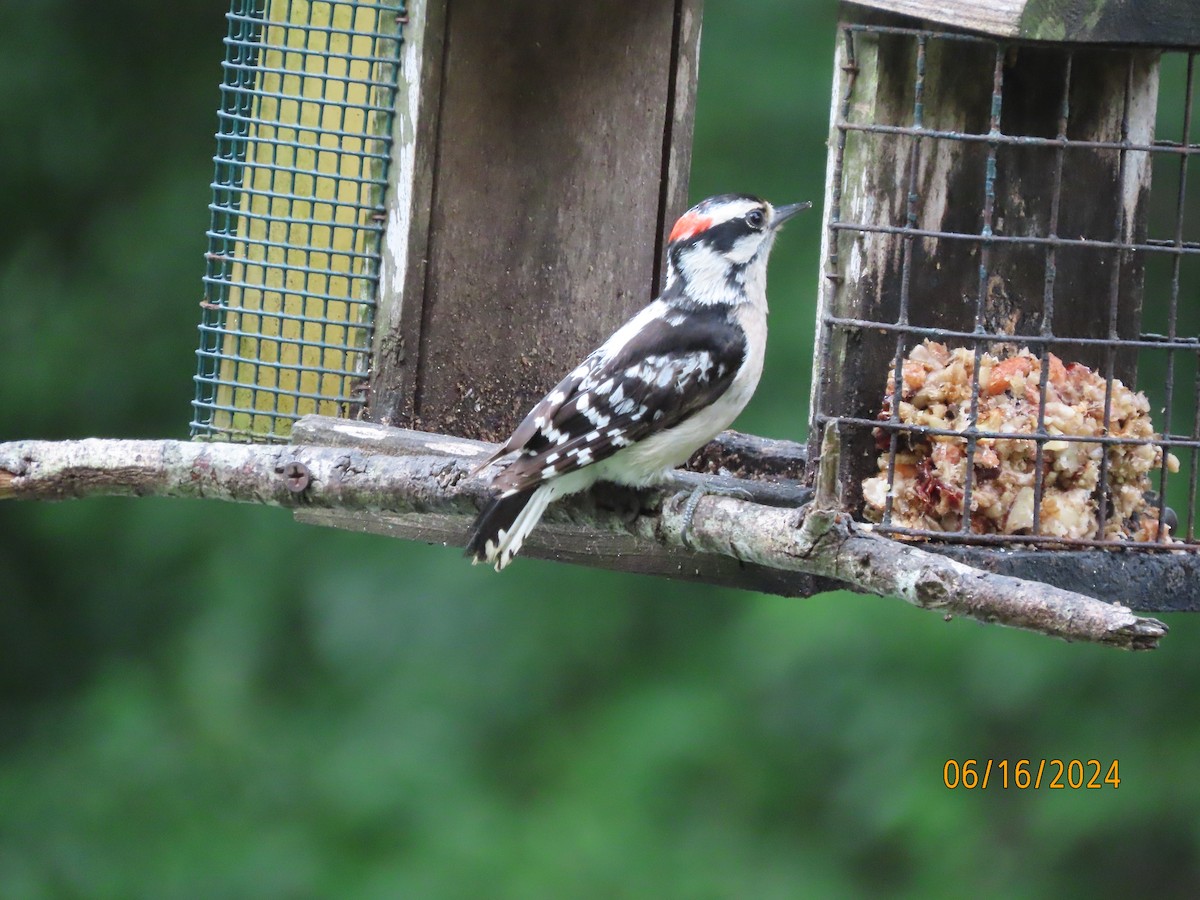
(207, 700)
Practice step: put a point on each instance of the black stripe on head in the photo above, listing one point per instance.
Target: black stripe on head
(722, 236)
(715, 224)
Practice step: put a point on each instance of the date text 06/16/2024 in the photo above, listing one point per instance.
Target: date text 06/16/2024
(1026, 774)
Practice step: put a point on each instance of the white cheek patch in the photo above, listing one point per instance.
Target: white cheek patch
(706, 272)
(744, 248)
(701, 261)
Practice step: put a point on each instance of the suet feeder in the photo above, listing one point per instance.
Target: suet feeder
(410, 198)
(1009, 258)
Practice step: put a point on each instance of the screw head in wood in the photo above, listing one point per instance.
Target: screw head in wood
(297, 476)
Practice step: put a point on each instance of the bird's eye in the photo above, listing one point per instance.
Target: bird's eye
(755, 218)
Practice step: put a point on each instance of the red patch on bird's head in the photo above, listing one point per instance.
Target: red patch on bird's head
(689, 223)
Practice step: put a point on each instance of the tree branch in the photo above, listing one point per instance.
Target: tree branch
(847, 551)
(325, 477)
(403, 486)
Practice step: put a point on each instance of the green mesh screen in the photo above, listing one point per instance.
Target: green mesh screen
(297, 213)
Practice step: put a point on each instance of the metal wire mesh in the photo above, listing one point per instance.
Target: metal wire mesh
(302, 156)
(1159, 254)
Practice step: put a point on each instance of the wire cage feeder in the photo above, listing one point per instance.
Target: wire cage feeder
(1007, 331)
(303, 147)
(360, 144)
(1005, 341)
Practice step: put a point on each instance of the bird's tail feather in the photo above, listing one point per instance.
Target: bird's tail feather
(502, 527)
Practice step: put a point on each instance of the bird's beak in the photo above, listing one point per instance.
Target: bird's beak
(783, 213)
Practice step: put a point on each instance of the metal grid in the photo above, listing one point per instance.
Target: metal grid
(303, 147)
(1166, 347)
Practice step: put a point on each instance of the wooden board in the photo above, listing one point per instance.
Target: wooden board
(556, 155)
(1146, 582)
(405, 246)
(1164, 23)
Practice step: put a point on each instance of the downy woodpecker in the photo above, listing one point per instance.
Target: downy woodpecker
(663, 385)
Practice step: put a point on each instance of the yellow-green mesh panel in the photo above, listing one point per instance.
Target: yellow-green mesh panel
(301, 169)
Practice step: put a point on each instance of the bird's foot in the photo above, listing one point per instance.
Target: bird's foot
(626, 502)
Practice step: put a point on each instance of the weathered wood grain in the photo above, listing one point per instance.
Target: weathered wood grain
(998, 17)
(561, 151)
(405, 246)
(1167, 23)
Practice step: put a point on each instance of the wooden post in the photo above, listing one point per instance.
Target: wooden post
(542, 148)
(940, 184)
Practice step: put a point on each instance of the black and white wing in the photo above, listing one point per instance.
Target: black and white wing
(661, 368)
